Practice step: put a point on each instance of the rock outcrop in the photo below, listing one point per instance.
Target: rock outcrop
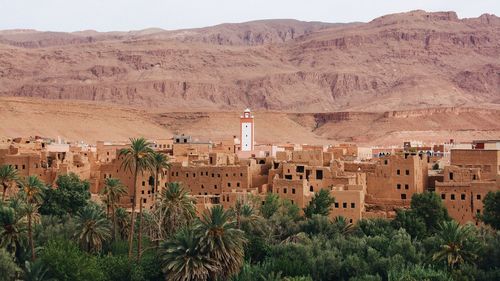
(402, 61)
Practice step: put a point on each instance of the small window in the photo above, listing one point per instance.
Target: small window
(478, 197)
(398, 186)
(228, 184)
(202, 186)
(284, 190)
(386, 162)
(194, 175)
(144, 200)
(293, 190)
(319, 174)
(237, 184)
(451, 176)
(288, 177)
(407, 186)
(452, 197)
(344, 205)
(403, 196)
(473, 177)
(213, 175)
(350, 220)
(187, 175)
(336, 204)
(353, 205)
(443, 196)
(407, 172)
(143, 183)
(462, 196)
(24, 167)
(398, 172)
(311, 188)
(215, 186)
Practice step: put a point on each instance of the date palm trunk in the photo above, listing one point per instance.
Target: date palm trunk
(131, 232)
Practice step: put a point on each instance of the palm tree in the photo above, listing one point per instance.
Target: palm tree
(31, 211)
(136, 158)
(36, 272)
(342, 225)
(458, 245)
(7, 175)
(160, 161)
(176, 209)
(247, 219)
(12, 229)
(113, 190)
(183, 259)
(32, 190)
(122, 222)
(92, 228)
(222, 242)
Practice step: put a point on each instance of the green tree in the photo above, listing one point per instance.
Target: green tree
(92, 228)
(8, 268)
(137, 158)
(491, 210)
(429, 207)
(66, 262)
(411, 222)
(8, 175)
(222, 241)
(247, 219)
(122, 222)
(270, 206)
(184, 259)
(341, 225)
(12, 229)
(173, 210)
(31, 211)
(70, 196)
(36, 271)
(32, 190)
(113, 190)
(458, 244)
(321, 204)
(160, 162)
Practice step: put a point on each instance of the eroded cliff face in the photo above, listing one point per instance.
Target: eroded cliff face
(436, 111)
(397, 62)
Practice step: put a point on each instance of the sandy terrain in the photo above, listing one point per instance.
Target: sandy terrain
(90, 121)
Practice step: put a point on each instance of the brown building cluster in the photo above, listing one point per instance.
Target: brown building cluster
(365, 182)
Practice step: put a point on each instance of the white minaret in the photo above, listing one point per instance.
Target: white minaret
(246, 132)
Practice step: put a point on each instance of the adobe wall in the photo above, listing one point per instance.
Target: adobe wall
(211, 180)
(397, 178)
(487, 160)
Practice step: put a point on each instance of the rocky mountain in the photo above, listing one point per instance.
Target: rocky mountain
(402, 61)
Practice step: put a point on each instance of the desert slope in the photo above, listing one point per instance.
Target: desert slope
(397, 62)
(88, 121)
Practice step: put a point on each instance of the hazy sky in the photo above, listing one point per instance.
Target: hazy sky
(107, 15)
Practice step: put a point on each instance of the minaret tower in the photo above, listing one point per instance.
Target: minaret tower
(246, 131)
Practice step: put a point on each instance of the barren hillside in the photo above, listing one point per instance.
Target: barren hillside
(396, 62)
(415, 75)
(89, 121)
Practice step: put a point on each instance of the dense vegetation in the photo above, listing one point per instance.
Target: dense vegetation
(60, 234)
